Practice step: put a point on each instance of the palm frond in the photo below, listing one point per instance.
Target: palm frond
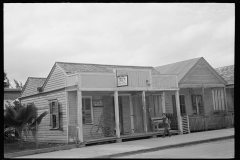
(11, 112)
(21, 113)
(9, 121)
(30, 112)
(38, 120)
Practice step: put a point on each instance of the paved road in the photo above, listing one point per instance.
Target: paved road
(219, 149)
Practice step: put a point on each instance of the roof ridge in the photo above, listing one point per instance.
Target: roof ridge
(179, 62)
(104, 64)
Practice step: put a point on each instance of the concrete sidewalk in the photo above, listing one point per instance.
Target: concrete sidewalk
(138, 146)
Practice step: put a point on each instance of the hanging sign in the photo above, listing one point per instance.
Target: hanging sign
(122, 80)
(97, 103)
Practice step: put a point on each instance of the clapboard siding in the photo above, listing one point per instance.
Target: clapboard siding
(42, 102)
(200, 74)
(72, 103)
(208, 103)
(56, 80)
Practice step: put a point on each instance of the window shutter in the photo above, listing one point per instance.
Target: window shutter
(182, 104)
(194, 104)
(50, 111)
(57, 114)
(174, 105)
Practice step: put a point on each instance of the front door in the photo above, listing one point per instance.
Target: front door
(137, 114)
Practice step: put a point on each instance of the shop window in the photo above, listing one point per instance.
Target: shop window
(54, 114)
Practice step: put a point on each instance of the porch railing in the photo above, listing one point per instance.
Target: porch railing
(200, 123)
(173, 118)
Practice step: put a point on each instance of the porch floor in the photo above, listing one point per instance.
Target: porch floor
(128, 136)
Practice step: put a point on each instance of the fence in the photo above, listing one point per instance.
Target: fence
(200, 123)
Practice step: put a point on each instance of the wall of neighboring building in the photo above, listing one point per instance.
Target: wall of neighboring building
(230, 99)
(41, 101)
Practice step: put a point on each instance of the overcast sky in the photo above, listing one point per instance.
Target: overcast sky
(151, 34)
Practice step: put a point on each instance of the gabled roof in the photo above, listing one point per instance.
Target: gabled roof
(35, 82)
(227, 72)
(71, 68)
(181, 69)
(178, 68)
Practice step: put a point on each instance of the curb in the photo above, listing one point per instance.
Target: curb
(164, 147)
(43, 150)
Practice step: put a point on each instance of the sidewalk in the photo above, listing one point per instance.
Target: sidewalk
(138, 146)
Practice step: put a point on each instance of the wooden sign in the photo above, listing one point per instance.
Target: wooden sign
(122, 80)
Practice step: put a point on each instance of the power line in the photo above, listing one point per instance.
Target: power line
(218, 51)
(220, 56)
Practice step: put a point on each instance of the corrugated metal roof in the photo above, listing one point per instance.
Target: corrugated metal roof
(71, 68)
(178, 68)
(227, 72)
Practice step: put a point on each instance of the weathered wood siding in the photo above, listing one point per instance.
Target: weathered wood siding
(42, 103)
(136, 78)
(98, 81)
(230, 99)
(200, 74)
(208, 103)
(56, 80)
(164, 81)
(72, 104)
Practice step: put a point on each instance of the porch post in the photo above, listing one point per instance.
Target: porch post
(144, 112)
(225, 99)
(179, 119)
(163, 102)
(116, 113)
(203, 100)
(79, 115)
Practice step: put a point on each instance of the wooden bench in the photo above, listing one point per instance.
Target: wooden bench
(155, 123)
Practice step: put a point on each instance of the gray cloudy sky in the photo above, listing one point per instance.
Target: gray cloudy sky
(151, 34)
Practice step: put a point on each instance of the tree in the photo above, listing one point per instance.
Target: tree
(6, 81)
(18, 85)
(20, 116)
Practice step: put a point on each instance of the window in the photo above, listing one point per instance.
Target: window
(182, 104)
(218, 100)
(87, 111)
(197, 104)
(54, 114)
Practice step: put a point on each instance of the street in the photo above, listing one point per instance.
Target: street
(219, 149)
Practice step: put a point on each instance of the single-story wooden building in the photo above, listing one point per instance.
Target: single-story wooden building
(227, 72)
(78, 95)
(202, 94)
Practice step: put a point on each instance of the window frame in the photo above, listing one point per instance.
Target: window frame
(217, 96)
(56, 114)
(83, 109)
(197, 106)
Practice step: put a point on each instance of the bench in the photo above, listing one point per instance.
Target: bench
(155, 123)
